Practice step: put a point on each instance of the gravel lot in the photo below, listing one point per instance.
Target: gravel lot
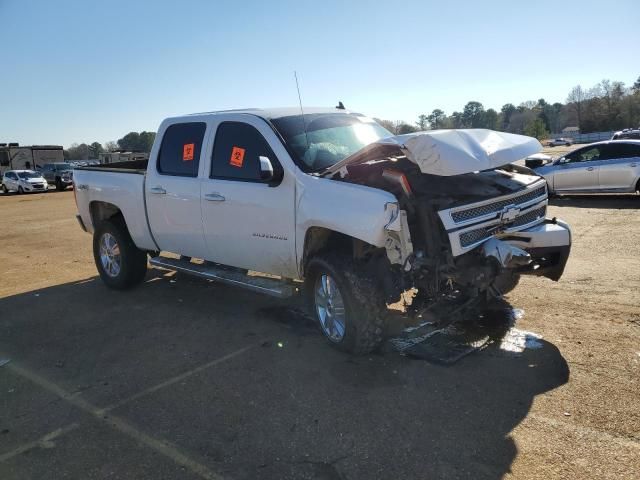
(180, 378)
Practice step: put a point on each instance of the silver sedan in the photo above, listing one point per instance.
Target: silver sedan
(603, 167)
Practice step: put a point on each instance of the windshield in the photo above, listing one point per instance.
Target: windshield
(330, 137)
(25, 175)
(63, 166)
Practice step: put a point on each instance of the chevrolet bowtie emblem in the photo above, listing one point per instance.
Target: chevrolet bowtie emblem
(509, 214)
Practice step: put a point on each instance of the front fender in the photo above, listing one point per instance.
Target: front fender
(354, 210)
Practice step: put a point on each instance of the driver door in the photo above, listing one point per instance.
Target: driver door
(579, 171)
(248, 222)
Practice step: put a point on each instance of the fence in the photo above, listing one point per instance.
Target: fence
(585, 137)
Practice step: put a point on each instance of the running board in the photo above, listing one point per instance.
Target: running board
(268, 286)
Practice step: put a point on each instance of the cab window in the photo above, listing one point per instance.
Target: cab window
(237, 151)
(180, 149)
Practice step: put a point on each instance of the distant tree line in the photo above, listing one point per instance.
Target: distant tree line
(132, 141)
(609, 105)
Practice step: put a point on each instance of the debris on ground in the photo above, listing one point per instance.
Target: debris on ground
(491, 327)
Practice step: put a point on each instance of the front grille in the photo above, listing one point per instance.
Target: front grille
(473, 236)
(37, 185)
(529, 217)
(475, 212)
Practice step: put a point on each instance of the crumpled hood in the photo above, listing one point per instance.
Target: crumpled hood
(448, 152)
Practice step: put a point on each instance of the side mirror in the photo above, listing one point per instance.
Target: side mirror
(266, 169)
(269, 173)
(562, 160)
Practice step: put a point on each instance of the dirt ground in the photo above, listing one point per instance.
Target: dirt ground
(181, 378)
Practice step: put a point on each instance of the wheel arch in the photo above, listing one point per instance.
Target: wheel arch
(318, 239)
(101, 211)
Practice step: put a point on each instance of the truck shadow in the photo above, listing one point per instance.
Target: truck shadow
(390, 416)
(621, 201)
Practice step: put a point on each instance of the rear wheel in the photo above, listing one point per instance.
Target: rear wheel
(120, 263)
(5, 189)
(348, 306)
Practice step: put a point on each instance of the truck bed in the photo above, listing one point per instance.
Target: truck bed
(116, 185)
(135, 166)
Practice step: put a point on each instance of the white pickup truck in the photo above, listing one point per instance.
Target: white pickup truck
(329, 204)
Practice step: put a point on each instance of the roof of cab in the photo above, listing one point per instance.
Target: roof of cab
(272, 113)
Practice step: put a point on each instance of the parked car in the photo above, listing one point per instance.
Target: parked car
(59, 174)
(556, 142)
(23, 181)
(610, 166)
(627, 133)
(333, 205)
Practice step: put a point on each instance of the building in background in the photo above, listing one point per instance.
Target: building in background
(16, 157)
(122, 156)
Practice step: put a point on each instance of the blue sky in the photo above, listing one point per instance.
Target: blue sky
(76, 71)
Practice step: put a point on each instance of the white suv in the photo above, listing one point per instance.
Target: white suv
(23, 181)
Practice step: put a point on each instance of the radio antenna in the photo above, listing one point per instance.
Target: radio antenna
(304, 123)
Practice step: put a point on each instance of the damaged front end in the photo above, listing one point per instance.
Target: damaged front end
(456, 239)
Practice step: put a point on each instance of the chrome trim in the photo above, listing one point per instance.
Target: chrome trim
(268, 286)
(447, 215)
(454, 236)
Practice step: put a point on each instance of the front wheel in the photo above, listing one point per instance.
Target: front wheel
(348, 306)
(120, 263)
(20, 190)
(59, 185)
(5, 189)
(506, 281)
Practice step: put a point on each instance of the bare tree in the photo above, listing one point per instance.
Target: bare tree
(576, 98)
(111, 146)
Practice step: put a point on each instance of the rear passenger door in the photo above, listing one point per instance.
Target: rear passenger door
(619, 166)
(172, 189)
(249, 223)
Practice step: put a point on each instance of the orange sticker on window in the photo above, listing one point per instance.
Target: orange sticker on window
(237, 157)
(187, 152)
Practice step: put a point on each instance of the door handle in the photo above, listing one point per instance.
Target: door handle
(214, 197)
(589, 169)
(157, 190)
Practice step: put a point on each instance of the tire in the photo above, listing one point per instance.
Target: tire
(506, 281)
(363, 306)
(5, 190)
(20, 190)
(59, 185)
(131, 262)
